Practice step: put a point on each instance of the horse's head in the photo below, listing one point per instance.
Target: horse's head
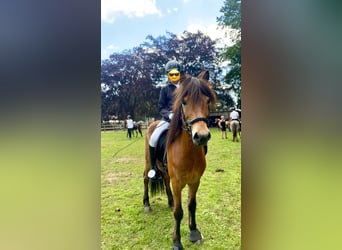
(192, 101)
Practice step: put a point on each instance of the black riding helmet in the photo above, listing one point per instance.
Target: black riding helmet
(172, 64)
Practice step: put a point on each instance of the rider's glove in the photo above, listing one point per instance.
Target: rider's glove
(170, 116)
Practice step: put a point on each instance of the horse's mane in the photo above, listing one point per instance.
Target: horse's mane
(191, 87)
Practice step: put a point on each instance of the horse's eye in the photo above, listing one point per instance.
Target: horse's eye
(184, 102)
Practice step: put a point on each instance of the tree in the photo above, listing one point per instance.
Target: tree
(232, 18)
(127, 81)
(131, 79)
(231, 14)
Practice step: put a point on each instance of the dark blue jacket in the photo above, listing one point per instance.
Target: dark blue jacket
(166, 100)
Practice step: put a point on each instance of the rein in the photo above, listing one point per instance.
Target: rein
(189, 123)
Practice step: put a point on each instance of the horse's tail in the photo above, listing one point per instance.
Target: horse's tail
(157, 186)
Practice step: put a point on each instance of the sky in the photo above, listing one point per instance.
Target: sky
(126, 23)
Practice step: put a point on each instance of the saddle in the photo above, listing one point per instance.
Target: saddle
(161, 149)
(161, 153)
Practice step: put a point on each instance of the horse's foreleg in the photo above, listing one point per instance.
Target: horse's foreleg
(192, 205)
(178, 215)
(195, 234)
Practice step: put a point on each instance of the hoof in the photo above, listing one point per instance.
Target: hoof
(177, 246)
(195, 235)
(147, 209)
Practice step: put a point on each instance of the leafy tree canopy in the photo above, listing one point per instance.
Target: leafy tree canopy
(130, 80)
(231, 17)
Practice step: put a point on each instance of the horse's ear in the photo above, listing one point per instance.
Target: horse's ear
(183, 77)
(204, 75)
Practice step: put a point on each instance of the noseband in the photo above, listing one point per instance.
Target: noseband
(189, 123)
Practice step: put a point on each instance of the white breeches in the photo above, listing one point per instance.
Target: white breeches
(161, 127)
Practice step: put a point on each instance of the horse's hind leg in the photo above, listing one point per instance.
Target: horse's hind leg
(195, 234)
(168, 191)
(146, 200)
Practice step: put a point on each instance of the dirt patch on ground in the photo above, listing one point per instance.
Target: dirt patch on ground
(116, 177)
(125, 159)
(110, 176)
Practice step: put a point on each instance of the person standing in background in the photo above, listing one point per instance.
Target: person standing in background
(130, 125)
(222, 124)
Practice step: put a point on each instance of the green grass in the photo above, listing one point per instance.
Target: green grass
(125, 224)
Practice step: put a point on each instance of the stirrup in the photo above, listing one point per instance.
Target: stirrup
(152, 173)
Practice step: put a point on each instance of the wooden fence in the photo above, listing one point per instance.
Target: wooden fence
(117, 126)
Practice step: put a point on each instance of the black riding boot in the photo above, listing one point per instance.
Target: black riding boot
(154, 174)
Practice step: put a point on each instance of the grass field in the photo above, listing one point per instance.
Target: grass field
(125, 224)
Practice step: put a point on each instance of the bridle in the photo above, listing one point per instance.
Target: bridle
(188, 123)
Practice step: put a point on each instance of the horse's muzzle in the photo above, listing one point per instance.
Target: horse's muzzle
(201, 139)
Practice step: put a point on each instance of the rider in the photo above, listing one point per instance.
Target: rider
(173, 70)
(234, 115)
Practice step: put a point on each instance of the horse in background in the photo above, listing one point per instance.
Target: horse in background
(186, 144)
(217, 121)
(228, 125)
(137, 129)
(236, 130)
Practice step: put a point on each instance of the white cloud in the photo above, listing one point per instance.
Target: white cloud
(108, 51)
(213, 32)
(169, 11)
(131, 8)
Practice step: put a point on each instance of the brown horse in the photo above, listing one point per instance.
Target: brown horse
(228, 124)
(137, 129)
(186, 144)
(217, 121)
